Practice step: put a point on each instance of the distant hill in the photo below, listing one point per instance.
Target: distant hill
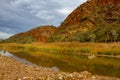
(39, 34)
(95, 20)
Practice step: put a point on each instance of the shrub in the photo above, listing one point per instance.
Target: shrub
(84, 50)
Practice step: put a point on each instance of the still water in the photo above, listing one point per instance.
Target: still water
(105, 66)
(24, 61)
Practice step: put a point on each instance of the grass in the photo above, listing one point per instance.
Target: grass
(66, 47)
(66, 56)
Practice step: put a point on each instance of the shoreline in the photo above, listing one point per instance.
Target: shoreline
(11, 69)
(98, 55)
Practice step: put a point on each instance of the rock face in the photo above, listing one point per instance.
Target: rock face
(42, 33)
(92, 9)
(92, 17)
(39, 34)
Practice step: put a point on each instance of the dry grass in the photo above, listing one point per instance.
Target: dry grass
(66, 47)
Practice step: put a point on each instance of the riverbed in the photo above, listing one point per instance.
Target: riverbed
(105, 66)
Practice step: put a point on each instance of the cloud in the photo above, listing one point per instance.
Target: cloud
(21, 15)
(64, 11)
(4, 35)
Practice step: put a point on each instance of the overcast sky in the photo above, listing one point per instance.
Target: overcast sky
(21, 15)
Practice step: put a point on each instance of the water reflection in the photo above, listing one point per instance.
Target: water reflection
(105, 66)
(24, 61)
(5, 53)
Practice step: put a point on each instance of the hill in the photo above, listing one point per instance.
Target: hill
(95, 20)
(39, 34)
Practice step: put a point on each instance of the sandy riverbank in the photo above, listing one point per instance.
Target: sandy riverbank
(13, 70)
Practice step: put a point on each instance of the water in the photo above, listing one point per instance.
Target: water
(105, 66)
(24, 61)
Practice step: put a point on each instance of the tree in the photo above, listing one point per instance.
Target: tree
(115, 35)
(92, 37)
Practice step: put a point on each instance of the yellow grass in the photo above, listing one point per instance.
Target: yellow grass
(66, 47)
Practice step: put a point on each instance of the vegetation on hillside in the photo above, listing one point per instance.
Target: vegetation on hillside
(93, 21)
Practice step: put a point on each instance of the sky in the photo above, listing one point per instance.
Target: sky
(22, 15)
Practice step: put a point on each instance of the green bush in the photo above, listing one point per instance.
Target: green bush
(84, 50)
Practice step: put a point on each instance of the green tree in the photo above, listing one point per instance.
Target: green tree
(115, 35)
(92, 37)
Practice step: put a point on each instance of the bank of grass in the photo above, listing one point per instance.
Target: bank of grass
(65, 48)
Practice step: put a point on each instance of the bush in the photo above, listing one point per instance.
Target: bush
(84, 50)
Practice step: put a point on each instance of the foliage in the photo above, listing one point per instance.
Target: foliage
(95, 21)
(22, 39)
(115, 35)
(92, 37)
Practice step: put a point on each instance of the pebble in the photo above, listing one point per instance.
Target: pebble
(41, 78)
(37, 69)
(85, 75)
(69, 76)
(24, 78)
(93, 77)
(60, 78)
(18, 79)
